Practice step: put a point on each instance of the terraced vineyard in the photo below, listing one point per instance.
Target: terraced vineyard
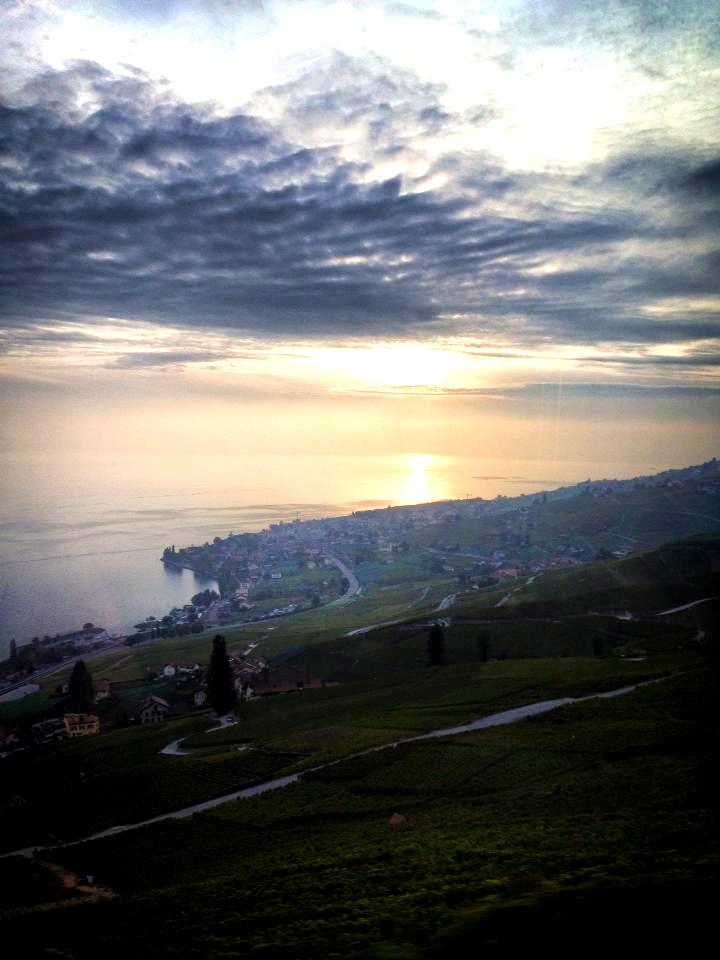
(605, 802)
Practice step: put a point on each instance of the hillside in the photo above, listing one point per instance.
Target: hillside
(508, 833)
(598, 810)
(588, 610)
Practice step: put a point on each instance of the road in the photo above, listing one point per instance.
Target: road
(685, 606)
(494, 720)
(173, 749)
(504, 600)
(353, 584)
(57, 667)
(446, 602)
(389, 623)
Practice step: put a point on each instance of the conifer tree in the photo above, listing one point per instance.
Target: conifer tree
(81, 692)
(436, 646)
(220, 684)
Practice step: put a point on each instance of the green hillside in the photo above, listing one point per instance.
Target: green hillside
(644, 584)
(509, 833)
(599, 813)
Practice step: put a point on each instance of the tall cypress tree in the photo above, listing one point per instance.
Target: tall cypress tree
(220, 683)
(436, 646)
(81, 692)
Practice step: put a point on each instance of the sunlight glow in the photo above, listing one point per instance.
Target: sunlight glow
(393, 365)
(416, 489)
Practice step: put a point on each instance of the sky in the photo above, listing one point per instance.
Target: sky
(361, 226)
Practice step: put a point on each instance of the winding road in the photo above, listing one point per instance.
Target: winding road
(353, 584)
(494, 720)
(685, 606)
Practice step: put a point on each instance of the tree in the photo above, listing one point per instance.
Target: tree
(221, 691)
(436, 646)
(81, 692)
(13, 651)
(483, 646)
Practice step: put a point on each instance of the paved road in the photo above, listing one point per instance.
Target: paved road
(685, 606)
(173, 749)
(446, 602)
(388, 623)
(353, 584)
(504, 600)
(57, 667)
(494, 720)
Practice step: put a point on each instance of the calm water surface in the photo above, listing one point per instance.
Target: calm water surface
(81, 538)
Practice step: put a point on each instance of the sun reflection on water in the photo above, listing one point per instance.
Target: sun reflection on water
(416, 488)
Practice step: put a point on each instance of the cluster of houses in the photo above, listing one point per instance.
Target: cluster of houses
(54, 730)
(253, 677)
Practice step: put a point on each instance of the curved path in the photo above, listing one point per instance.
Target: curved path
(494, 720)
(173, 749)
(391, 623)
(685, 606)
(353, 584)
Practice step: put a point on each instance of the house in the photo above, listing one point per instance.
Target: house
(199, 698)
(103, 690)
(48, 731)
(81, 724)
(188, 668)
(283, 680)
(276, 575)
(153, 710)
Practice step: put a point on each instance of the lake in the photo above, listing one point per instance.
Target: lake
(81, 536)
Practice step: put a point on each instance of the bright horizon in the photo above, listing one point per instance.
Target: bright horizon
(365, 228)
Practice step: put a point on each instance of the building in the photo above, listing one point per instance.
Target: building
(153, 710)
(48, 731)
(284, 679)
(81, 724)
(103, 690)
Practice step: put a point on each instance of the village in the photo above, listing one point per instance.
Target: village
(178, 689)
(297, 566)
(301, 565)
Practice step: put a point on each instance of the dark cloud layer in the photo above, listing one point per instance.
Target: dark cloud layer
(146, 209)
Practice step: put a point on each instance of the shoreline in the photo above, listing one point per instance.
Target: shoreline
(184, 566)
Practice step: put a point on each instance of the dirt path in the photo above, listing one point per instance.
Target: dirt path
(83, 892)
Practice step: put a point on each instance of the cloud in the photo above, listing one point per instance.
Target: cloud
(119, 200)
(169, 358)
(534, 392)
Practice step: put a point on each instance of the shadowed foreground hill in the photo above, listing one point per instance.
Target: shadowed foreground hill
(587, 827)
